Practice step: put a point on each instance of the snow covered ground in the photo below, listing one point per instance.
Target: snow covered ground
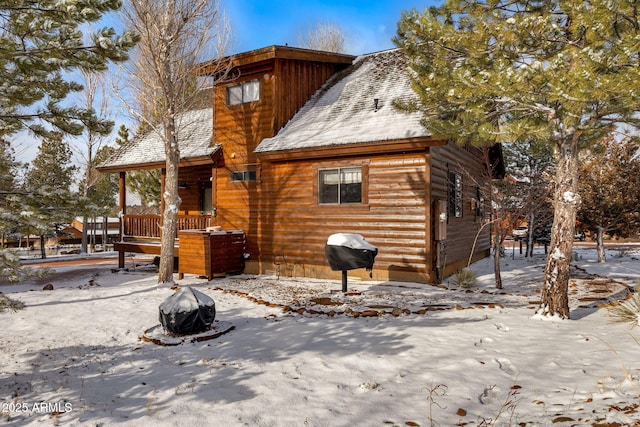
(303, 354)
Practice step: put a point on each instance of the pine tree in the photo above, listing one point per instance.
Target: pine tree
(123, 135)
(47, 188)
(610, 190)
(531, 165)
(558, 73)
(40, 45)
(145, 183)
(9, 192)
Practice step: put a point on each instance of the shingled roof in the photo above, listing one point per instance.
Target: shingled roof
(194, 129)
(344, 110)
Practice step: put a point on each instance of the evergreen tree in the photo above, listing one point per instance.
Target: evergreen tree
(610, 190)
(145, 183)
(123, 135)
(558, 73)
(99, 196)
(9, 192)
(531, 165)
(105, 189)
(47, 188)
(40, 44)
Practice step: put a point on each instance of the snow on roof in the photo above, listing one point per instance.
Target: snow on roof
(194, 130)
(344, 111)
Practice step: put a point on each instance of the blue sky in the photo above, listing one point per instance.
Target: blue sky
(369, 26)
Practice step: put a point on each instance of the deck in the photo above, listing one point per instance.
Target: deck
(206, 253)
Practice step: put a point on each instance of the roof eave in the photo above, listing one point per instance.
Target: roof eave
(208, 159)
(361, 148)
(274, 52)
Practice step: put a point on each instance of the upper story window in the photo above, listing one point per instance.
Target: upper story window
(455, 195)
(240, 93)
(340, 185)
(248, 175)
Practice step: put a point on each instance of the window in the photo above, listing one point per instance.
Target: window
(340, 185)
(455, 195)
(206, 199)
(243, 92)
(479, 203)
(243, 176)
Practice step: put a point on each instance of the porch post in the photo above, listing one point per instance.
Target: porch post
(123, 210)
(163, 178)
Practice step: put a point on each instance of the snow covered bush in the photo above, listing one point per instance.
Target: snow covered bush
(465, 278)
(628, 310)
(12, 272)
(8, 303)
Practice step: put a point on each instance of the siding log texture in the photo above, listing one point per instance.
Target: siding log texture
(468, 162)
(397, 215)
(393, 217)
(287, 78)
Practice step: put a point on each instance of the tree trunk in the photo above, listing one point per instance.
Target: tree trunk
(171, 204)
(105, 232)
(555, 300)
(529, 252)
(83, 243)
(43, 251)
(600, 244)
(92, 239)
(497, 242)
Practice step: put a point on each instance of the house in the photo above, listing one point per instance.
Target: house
(301, 144)
(98, 229)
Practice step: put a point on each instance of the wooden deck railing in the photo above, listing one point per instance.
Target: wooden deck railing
(149, 225)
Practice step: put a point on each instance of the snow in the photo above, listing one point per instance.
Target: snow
(194, 130)
(569, 197)
(344, 112)
(348, 240)
(303, 353)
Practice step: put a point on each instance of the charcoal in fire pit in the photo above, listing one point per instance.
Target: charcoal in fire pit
(188, 311)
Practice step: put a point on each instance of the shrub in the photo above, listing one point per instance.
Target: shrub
(12, 272)
(628, 310)
(465, 278)
(11, 304)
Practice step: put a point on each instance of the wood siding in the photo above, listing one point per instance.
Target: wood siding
(285, 86)
(461, 231)
(394, 216)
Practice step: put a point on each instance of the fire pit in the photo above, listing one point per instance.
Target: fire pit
(188, 311)
(346, 251)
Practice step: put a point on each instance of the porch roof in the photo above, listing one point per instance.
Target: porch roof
(195, 135)
(354, 108)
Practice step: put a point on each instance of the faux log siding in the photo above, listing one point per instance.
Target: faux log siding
(294, 225)
(285, 86)
(460, 231)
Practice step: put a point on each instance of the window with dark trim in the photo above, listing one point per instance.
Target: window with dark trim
(479, 203)
(248, 175)
(240, 93)
(455, 195)
(340, 185)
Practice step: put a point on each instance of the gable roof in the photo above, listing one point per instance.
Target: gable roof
(343, 111)
(195, 134)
